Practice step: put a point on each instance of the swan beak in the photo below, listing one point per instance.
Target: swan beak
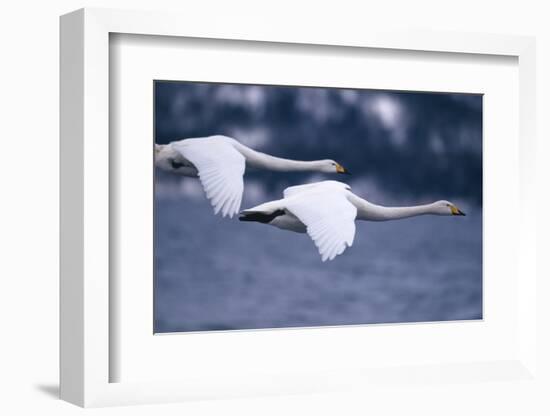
(341, 169)
(456, 211)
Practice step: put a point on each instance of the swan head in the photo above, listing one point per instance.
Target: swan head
(331, 166)
(446, 208)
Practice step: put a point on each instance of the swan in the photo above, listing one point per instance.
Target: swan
(219, 162)
(327, 211)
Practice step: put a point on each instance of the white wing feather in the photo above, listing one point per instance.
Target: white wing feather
(329, 218)
(220, 168)
(296, 189)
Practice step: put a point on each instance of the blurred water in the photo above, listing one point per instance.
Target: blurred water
(220, 274)
(414, 144)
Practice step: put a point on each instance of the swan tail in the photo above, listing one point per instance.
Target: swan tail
(264, 213)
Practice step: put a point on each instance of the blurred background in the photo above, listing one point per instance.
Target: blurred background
(403, 148)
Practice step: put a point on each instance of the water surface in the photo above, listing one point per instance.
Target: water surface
(220, 274)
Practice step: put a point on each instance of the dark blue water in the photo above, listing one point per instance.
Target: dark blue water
(220, 274)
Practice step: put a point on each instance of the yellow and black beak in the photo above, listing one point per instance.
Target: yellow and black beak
(456, 211)
(341, 169)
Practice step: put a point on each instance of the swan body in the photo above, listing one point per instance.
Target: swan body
(220, 161)
(327, 212)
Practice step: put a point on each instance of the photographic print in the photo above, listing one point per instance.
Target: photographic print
(289, 206)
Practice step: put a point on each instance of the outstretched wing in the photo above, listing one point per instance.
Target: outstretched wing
(329, 218)
(220, 168)
(296, 189)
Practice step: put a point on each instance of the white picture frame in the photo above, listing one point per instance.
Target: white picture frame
(85, 220)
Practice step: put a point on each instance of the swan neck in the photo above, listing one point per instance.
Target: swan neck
(264, 161)
(373, 212)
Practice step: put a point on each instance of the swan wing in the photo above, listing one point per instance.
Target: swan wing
(297, 189)
(220, 169)
(329, 218)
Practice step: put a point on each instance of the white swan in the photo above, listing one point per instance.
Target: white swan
(327, 212)
(219, 162)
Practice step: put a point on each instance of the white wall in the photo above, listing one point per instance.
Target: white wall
(28, 209)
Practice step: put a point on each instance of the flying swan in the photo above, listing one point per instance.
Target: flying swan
(219, 162)
(327, 212)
